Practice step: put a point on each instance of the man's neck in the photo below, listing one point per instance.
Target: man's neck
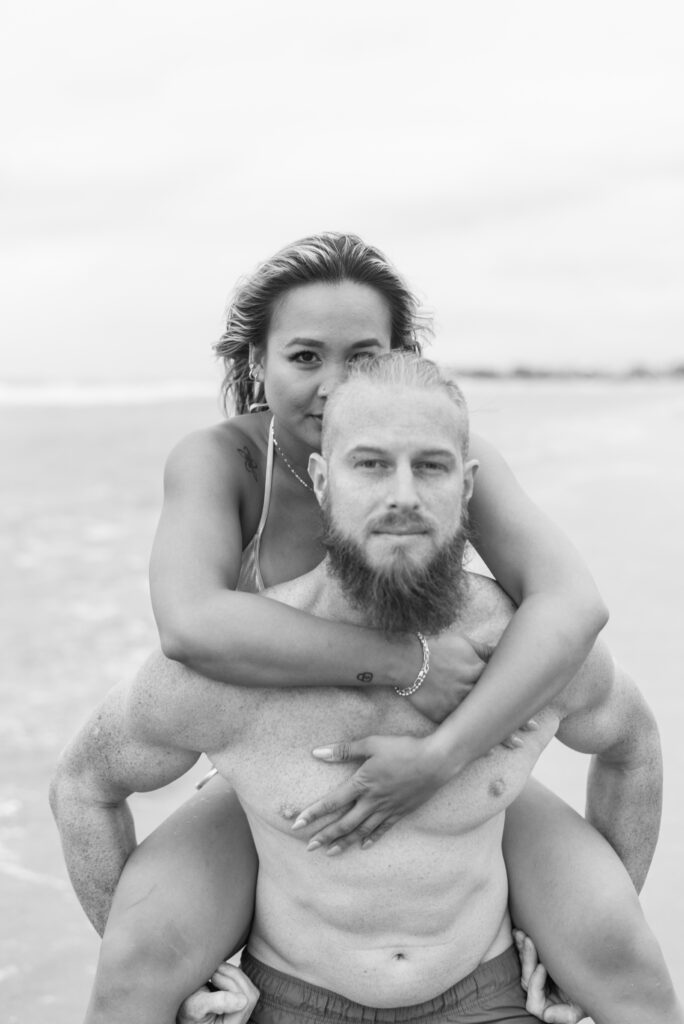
(331, 602)
(328, 599)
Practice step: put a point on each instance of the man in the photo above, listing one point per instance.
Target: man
(420, 921)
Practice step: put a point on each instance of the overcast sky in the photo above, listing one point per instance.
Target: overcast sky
(521, 162)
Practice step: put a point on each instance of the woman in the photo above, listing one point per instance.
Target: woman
(239, 513)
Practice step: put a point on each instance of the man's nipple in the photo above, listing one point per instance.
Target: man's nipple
(497, 787)
(288, 811)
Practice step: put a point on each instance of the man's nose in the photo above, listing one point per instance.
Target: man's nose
(402, 491)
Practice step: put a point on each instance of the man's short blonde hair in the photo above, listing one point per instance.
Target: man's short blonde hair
(396, 369)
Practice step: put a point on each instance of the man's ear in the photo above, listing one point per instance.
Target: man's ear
(318, 471)
(469, 471)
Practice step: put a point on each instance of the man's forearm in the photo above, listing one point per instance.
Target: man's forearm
(624, 804)
(97, 840)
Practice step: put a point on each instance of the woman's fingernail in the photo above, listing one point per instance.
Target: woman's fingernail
(322, 752)
(299, 823)
(366, 844)
(517, 742)
(313, 844)
(333, 850)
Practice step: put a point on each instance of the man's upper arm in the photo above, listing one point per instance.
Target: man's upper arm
(603, 712)
(119, 752)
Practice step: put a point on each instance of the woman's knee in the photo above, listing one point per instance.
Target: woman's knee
(185, 898)
(573, 896)
(143, 974)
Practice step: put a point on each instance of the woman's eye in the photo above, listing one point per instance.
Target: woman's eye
(358, 356)
(306, 357)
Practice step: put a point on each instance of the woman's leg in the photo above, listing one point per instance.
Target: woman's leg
(184, 903)
(570, 892)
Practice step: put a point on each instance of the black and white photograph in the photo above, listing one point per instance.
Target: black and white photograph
(341, 421)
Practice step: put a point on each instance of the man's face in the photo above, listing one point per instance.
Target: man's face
(396, 478)
(393, 491)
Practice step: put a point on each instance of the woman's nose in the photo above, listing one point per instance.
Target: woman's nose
(330, 381)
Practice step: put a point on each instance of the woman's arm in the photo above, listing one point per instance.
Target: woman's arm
(241, 638)
(560, 613)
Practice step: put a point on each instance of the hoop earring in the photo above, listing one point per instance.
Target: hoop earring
(255, 375)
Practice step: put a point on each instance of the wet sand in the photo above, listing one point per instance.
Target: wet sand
(83, 487)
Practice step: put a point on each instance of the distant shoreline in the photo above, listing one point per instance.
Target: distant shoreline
(570, 373)
(75, 393)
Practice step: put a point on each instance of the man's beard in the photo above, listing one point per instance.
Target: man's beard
(401, 597)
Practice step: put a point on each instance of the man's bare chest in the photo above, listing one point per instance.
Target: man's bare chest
(270, 761)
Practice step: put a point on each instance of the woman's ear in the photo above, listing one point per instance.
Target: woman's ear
(256, 369)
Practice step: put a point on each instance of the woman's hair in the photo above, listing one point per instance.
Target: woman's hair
(328, 258)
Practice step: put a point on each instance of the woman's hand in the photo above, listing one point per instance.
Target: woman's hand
(399, 773)
(442, 692)
(544, 999)
(232, 1002)
(456, 664)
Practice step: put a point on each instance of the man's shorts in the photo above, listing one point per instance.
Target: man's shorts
(492, 994)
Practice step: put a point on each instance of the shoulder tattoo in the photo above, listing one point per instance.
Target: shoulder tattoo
(250, 464)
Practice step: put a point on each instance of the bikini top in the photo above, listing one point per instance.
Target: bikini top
(250, 579)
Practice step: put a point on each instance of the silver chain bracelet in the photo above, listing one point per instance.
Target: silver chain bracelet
(420, 678)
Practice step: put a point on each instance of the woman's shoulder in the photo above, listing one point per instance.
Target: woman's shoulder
(479, 447)
(229, 446)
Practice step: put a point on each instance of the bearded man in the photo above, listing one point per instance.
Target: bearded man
(417, 926)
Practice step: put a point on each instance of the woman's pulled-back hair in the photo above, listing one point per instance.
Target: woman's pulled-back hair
(328, 258)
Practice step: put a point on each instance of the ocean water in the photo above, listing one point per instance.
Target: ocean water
(81, 493)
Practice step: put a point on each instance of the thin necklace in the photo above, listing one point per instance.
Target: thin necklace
(289, 465)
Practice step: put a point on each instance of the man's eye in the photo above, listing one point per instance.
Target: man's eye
(370, 464)
(431, 467)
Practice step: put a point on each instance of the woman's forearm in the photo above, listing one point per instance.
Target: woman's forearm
(248, 640)
(540, 651)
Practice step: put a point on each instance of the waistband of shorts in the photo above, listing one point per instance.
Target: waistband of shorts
(282, 991)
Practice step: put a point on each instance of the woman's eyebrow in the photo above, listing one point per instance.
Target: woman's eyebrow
(304, 341)
(318, 343)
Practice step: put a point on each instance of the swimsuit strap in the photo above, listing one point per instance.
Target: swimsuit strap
(268, 483)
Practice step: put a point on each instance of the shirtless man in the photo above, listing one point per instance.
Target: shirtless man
(419, 920)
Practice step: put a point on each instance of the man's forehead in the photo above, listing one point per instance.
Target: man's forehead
(369, 412)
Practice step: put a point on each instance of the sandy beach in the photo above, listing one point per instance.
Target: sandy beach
(82, 493)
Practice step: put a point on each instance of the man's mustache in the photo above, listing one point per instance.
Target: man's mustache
(408, 522)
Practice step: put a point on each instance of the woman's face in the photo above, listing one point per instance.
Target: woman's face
(316, 331)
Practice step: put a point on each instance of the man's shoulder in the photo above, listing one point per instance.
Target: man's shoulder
(168, 701)
(486, 611)
(303, 592)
